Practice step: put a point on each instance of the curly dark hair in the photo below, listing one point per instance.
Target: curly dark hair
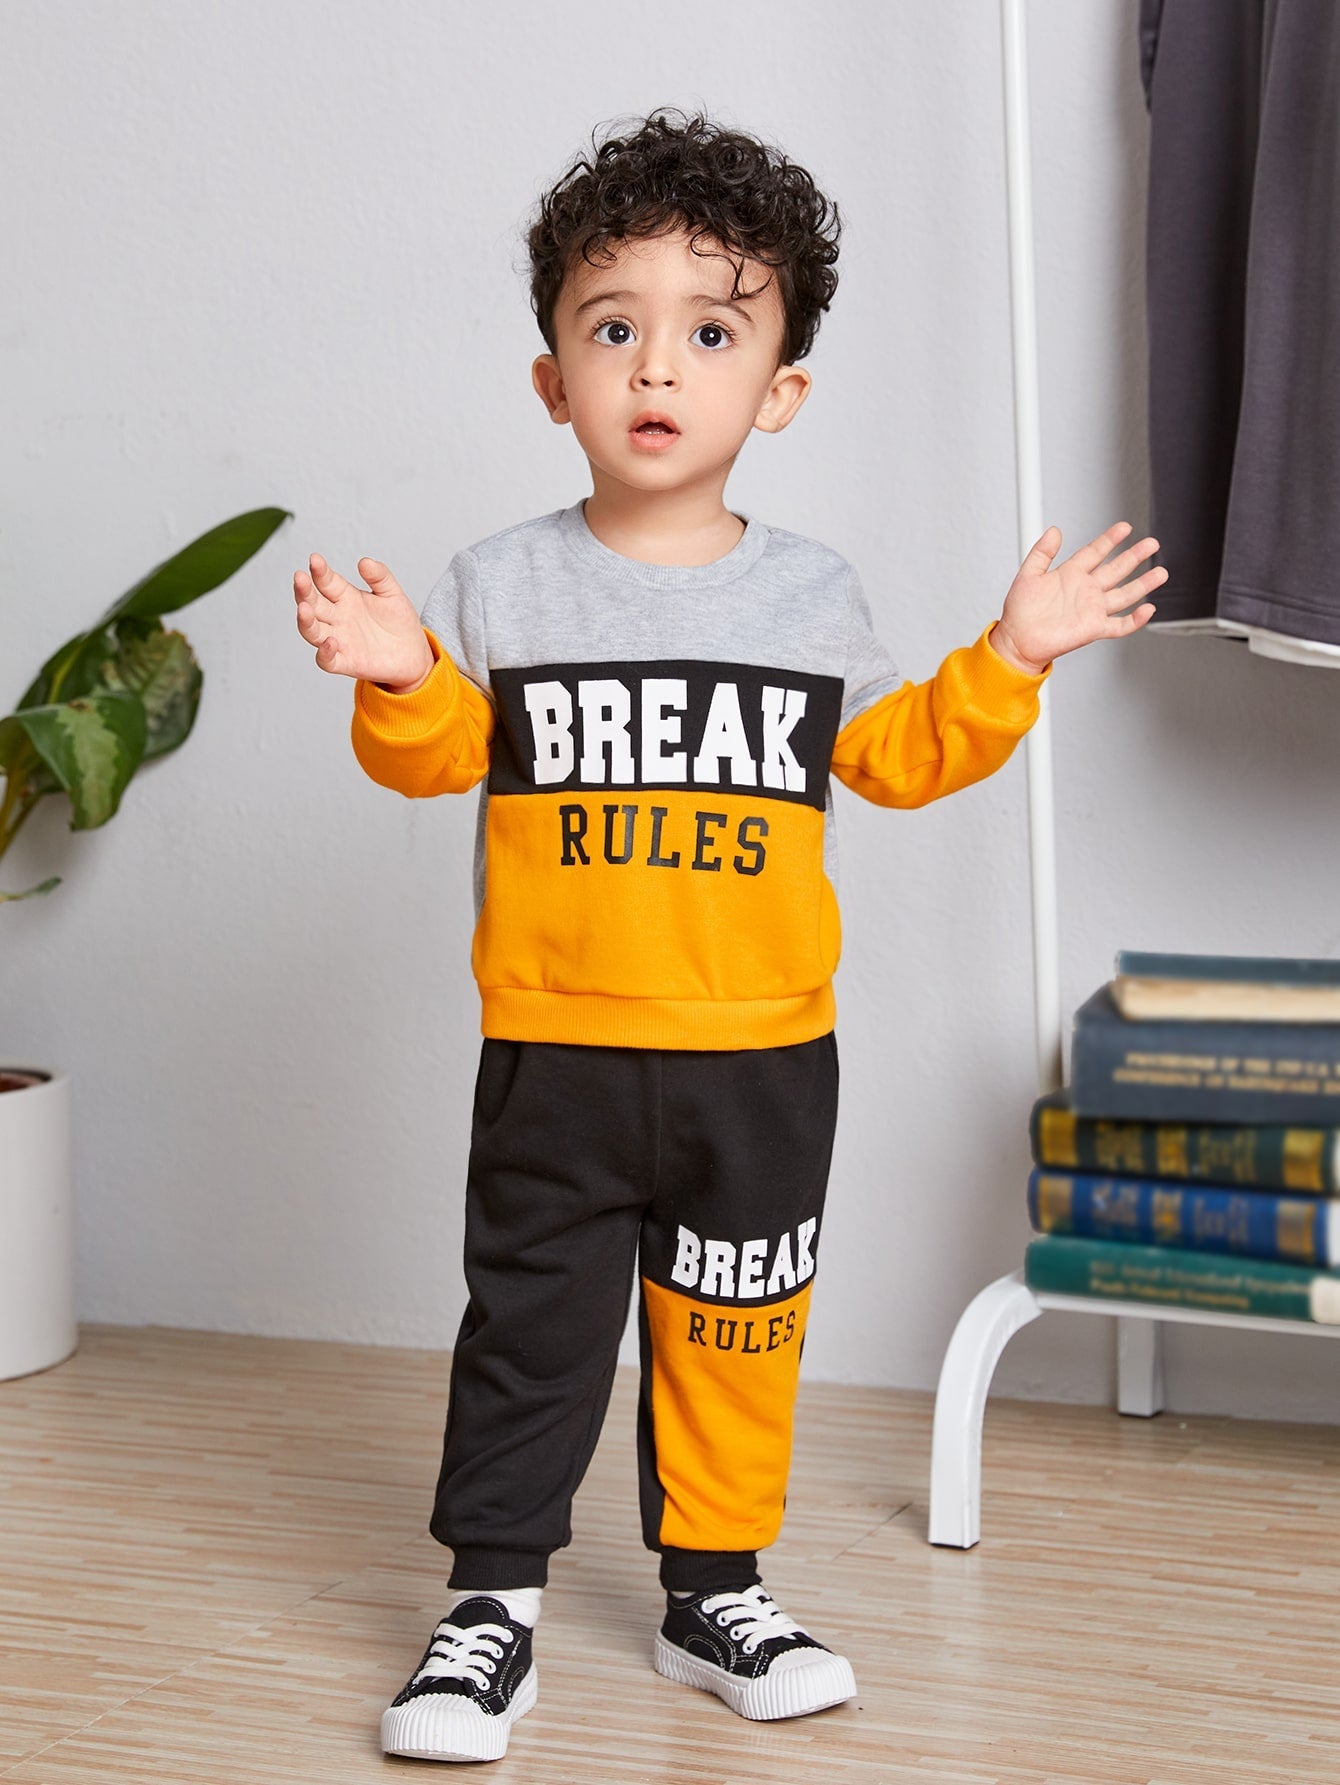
(726, 187)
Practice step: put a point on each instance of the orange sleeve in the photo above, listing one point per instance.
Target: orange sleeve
(926, 739)
(435, 740)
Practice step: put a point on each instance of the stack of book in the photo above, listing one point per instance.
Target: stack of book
(1194, 1159)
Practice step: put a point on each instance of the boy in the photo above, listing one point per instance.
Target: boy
(651, 691)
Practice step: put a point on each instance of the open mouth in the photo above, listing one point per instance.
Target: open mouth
(653, 433)
(651, 425)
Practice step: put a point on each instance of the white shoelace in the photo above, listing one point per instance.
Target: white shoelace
(752, 1615)
(470, 1654)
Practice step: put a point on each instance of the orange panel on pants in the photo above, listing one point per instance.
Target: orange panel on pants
(723, 1388)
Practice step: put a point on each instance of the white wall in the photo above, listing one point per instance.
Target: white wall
(273, 255)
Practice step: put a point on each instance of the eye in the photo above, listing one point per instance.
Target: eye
(717, 335)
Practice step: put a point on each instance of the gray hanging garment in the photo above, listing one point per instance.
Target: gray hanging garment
(1244, 317)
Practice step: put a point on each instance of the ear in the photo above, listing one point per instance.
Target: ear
(789, 388)
(548, 380)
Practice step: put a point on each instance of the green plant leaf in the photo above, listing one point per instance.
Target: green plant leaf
(199, 567)
(70, 671)
(44, 886)
(124, 690)
(92, 745)
(161, 670)
(73, 668)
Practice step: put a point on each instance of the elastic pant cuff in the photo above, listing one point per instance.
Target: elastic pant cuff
(708, 1570)
(499, 1570)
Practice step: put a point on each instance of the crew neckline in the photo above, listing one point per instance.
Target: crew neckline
(572, 524)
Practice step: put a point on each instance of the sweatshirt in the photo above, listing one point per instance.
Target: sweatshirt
(655, 850)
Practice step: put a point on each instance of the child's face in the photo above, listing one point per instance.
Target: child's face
(653, 331)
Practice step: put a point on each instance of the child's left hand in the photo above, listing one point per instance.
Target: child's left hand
(1050, 611)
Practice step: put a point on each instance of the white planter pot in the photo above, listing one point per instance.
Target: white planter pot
(37, 1324)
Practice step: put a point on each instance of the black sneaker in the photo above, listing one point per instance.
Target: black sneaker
(743, 1647)
(476, 1678)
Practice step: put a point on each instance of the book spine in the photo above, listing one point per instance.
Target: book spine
(1263, 1155)
(1285, 1073)
(1109, 1270)
(1235, 969)
(1152, 1212)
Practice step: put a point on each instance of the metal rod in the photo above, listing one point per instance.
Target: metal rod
(1028, 476)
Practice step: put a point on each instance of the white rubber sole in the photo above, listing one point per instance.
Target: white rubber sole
(792, 1692)
(444, 1727)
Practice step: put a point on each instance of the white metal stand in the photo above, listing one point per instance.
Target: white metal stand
(986, 1327)
(992, 1319)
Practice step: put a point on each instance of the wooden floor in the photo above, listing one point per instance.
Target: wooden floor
(215, 1568)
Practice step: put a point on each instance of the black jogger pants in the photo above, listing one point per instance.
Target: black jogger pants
(703, 1170)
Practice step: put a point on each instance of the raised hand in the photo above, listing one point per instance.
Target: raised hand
(374, 633)
(1051, 609)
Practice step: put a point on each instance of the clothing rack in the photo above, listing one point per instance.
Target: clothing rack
(991, 1320)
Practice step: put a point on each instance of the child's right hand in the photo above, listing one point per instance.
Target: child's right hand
(374, 633)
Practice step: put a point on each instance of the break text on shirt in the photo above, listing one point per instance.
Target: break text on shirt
(743, 728)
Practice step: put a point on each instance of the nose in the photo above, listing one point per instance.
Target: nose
(656, 367)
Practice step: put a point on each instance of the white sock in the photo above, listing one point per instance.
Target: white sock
(522, 1604)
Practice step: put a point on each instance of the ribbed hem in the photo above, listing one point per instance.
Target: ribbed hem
(1313, 621)
(498, 1570)
(595, 1019)
(403, 716)
(708, 1570)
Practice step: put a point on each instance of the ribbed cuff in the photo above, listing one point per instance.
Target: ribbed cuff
(404, 716)
(996, 688)
(708, 1570)
(497, 1570)
(997, 672)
